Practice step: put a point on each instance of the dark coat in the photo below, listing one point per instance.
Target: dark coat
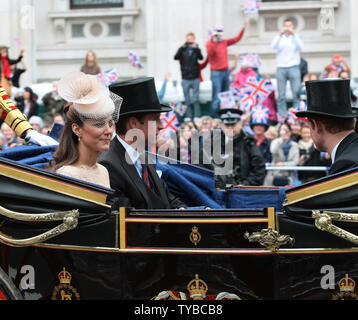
(34, 109)
(130, 188)
(189, 62)
(313, 158)
(265, 150)
(346, 154)
(16, 77)
(248, 161)
(53, 104)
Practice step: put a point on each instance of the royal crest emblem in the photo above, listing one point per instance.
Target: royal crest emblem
(197, 290)
(195, 236)
(346, 289)
(64, 291)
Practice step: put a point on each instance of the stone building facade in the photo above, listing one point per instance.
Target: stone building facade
(58, 33)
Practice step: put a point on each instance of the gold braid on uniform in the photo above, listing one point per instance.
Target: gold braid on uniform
(12, 116)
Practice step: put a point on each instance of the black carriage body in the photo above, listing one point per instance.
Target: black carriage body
(138, 254)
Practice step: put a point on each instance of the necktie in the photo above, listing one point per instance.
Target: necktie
(145, 175)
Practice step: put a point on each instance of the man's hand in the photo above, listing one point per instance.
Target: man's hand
(37, 138)
(246, 22)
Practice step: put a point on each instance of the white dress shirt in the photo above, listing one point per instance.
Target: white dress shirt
(334, 151)
(133, 155)
(288, 49)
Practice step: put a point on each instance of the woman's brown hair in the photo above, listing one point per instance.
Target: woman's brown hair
(95, 60)
(67, 151)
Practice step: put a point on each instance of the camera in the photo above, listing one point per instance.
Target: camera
(188, 43)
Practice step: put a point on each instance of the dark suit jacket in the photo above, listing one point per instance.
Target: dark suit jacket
(130, 188)
(346, 154)
(34, 109)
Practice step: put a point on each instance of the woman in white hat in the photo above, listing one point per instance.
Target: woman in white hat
(90, 117)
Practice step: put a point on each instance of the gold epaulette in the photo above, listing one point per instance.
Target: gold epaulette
(12, 116)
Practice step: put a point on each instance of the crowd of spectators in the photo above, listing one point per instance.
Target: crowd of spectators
(282, 141)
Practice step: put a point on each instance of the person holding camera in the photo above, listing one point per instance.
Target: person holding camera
(189, 55)
(288, 45)
(217, 49)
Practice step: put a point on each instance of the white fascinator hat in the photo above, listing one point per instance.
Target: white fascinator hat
(89, 97)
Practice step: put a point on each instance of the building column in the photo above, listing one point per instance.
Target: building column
(354, 39)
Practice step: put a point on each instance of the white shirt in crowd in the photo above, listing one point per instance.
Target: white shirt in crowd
(288, 49)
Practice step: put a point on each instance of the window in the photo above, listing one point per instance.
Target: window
(85, 4)
(114, 29)
(78, 30)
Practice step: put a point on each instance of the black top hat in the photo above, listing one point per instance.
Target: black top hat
(230, 116)
(328, 98)
(139, 96)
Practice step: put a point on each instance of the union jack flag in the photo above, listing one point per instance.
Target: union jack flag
(280, 118)
(170, 124)
(291, 116)
(184, 153)
(250, 60)
(108, 77)
(302, 106)
(258, 88)
(291, 113)
(260, 114)
(227, 100)
(235, 91)
(247, 102)
(251, 6)
(135, 60)
(179, 107)
(210, 34)
(17, 41)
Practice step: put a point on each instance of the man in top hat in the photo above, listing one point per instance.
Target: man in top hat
(248, 162)
(134, 178)
(332, 122)
(259, 125)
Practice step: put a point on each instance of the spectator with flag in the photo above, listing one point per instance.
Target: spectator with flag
(288, 45)
(335, 67)
(255, 92)
(217, 49)
(259, 125)
(5, 67)
(189, 55)
(248, 61)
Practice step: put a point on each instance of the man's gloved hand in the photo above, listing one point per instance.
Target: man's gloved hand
(37, 138)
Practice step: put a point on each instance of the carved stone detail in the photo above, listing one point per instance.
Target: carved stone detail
(327, 20)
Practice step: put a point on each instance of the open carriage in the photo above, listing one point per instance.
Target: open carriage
(61, 238)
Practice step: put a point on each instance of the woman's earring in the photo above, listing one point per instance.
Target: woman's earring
(79, 138)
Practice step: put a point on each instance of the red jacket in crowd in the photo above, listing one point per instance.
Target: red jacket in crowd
(217, 51)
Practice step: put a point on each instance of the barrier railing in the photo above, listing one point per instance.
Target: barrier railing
(297, 168)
